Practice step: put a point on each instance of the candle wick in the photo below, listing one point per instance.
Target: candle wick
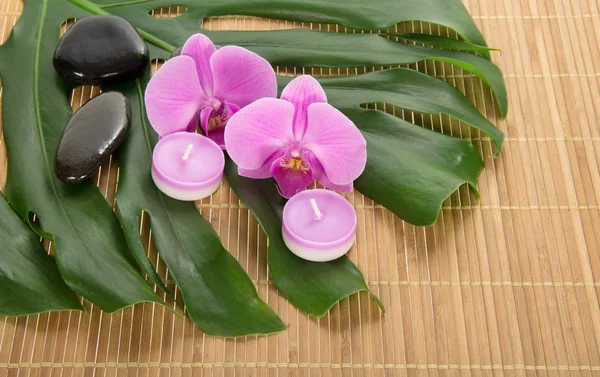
(186, 155)
(315, 207)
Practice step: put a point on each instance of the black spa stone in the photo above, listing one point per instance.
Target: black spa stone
(101, 50)
(94, 132)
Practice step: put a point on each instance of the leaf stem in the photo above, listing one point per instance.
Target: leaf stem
(156, 41)
(88, 6)
(123, 3)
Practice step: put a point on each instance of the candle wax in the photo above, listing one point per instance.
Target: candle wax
(187, 166)
(319, 234)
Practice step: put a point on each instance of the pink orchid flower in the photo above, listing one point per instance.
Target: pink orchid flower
(207, 86)
(297, 139)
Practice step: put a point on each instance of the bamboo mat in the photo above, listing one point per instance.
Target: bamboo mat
(506, 285)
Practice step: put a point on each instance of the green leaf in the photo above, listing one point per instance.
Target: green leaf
(411, 170)
(29, 279)
(407, 89)
(311, 287)
(309, 48)
(219, 295)
(357, 14)
(87, 236)
(443, 42)
(91, 251)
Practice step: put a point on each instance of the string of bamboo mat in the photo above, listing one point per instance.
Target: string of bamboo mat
(149, 365)
(444, 208)
(401, 283)
(505, 285)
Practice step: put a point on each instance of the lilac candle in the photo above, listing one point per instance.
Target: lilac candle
(319, 225)
(187, 166)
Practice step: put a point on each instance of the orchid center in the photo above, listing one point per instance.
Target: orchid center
(219, 117)
(294, 164)
(214, 117)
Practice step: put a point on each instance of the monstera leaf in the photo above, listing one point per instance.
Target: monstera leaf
(91, 252)
(443, 42)
(29, 279)
(308, 48)
(90, 246)
(219, 295)
(410, 169)
(407, 89)
(312, 287)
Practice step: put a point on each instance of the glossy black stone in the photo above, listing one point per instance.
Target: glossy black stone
(94, 132)
(101, 50)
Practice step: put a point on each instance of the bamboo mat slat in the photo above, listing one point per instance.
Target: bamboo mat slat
(508, 285)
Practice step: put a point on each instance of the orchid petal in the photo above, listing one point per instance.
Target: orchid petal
(231, 108)
(193, 125)
(289, 181)
(173, 96)
(200, 48)
(322, 178)
(332, 186)
(264, 171)
(258, 130)
(301, 92)
(218, 136)
(241, 76)
(336, 143)
(205, 117)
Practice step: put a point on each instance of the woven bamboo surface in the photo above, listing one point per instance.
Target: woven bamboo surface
(506, 285)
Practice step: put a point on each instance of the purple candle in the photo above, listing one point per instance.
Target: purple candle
(187, 166)
(319, 225)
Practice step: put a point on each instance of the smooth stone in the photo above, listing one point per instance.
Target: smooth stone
(94, 132)
(100, 50)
